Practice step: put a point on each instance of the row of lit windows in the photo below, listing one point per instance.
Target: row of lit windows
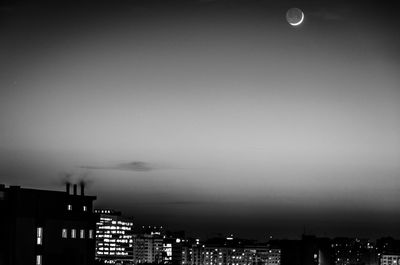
(107, 236)
(113, 248)
(115, 240)
(102, 211)
(112, 253)
(39, 238)
(123, 223)
(114, 227)
(118, 241)
(111, 244)
(114, 232)
(212, 253)
(106, 220)
(73, 233)
(84, 208)
(220, 263)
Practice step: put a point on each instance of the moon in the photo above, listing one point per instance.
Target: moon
(295, 16)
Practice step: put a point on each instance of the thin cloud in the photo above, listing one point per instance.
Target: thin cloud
(135, 166)
(139, 166)
(185, 202)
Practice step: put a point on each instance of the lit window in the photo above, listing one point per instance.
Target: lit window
(64, 233)
(82, 233)
(91, 233)
(73, 233)
(84, 208)
(38, 259)
(69, 207)
(39, 235)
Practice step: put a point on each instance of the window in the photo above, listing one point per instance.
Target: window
(91, 233)
(73, 233)
(82, 233)
(39, 235)
(69, 207)
(64, 233)
(38, 259)
(84, 208)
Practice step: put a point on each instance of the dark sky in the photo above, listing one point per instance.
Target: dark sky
(209, 115)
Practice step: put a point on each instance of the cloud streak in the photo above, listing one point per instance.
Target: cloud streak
(138, 166)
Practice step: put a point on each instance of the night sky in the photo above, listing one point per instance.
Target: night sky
(209, 116)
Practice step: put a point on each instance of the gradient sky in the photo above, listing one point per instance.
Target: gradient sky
(209, 115)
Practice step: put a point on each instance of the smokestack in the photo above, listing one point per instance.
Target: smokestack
(82, 184)
(75, 189)
(68, 187)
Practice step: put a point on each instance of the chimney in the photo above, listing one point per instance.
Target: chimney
(82, 184)
(75, 189)
(68, 187)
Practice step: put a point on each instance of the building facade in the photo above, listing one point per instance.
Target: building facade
(390, 259)
(148, 248)
(114, 237)
(41, 227)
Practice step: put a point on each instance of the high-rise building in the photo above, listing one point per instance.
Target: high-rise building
(192, 252)
(46, 227)
(114, 237)
(148, 245)
(172, 250)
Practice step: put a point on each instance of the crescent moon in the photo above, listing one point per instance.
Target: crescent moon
(301, 20)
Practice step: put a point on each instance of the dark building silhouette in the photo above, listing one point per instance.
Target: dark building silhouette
(310, 250)
(388, 245)
(290, 251)
(46, 227)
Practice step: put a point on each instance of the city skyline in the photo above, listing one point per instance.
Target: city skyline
(210, 116)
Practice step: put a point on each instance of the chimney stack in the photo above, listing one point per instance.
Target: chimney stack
(82, 184)
(68, 187)
(75, 189)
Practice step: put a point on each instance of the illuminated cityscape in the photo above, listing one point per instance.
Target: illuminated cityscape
(234, 251)
(55, 221)
(114, 237)
(199, 132)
